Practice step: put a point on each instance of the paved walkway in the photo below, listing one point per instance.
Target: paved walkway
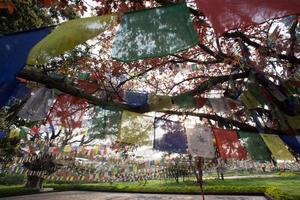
(83, 195)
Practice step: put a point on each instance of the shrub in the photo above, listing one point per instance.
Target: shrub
(11, 179)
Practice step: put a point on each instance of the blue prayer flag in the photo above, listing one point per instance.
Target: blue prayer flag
(169, 136)
(135, 98)
(292, 141)
(6, 91)
(14, 49)
(2, 134)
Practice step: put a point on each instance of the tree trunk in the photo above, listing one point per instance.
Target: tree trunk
(34, 182)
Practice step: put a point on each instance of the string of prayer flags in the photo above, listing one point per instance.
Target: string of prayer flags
(106, 121)
(218, 104)
(228, 144)
(255, 146)
(200, 141)
(135, 98)
(66, 36)
(38, 105)
(135, 128)
(184, 101)
(232, 14)
(14, 51)
(68, 111)
(277, 147)
(292, 141)
(159, 102)
(169, 136)
(154, 32)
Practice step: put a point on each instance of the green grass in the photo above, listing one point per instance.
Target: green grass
(285, 187)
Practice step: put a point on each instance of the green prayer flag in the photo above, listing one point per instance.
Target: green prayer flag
(255, 146)
(154, 32)
(184, 101)
(68, 35)
(106, 121)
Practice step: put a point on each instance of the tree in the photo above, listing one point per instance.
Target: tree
(262, 56)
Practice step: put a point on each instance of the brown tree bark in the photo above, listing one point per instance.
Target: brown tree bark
(34, 182)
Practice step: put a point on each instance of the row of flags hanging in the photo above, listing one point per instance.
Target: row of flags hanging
(115, 169)
(176, 137)
(44, 104)
(142, 34)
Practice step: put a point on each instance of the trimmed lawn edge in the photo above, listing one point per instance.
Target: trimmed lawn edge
(269, 193)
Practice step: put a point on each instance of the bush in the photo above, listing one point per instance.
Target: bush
(17, 190)
(11, 179)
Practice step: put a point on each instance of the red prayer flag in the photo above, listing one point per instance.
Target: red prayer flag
(231, 14)
(9, 6)
(229, 145)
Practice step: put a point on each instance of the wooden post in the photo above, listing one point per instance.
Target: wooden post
(199, 164)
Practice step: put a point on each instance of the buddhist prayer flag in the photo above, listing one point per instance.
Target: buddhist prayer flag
(277, 147)
(292, 141)
(228, 144)
(231, 14)
(200, 141)
(169, 136)
(249, 100)
(154, 32)
(159, 102)
(2, 134)
(14, 49)
(135, 98)
(135, 128)
(11, 91)
(185, 101)
(38, 105)
(218, 104)
(68, 35)
(106, 121)
(6, 91)
(255, 146)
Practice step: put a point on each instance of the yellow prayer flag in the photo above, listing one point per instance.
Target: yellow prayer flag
(135, 128)
(68, 35)
(249, 100)
(96, 149)
(159, 102)
(67, 149)
(277, 147)
(14, 133)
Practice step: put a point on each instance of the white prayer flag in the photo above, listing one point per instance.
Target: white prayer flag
(200, 141)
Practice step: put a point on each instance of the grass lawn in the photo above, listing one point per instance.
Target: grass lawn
(279, 187)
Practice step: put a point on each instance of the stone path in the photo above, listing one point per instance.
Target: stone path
(84, 195)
